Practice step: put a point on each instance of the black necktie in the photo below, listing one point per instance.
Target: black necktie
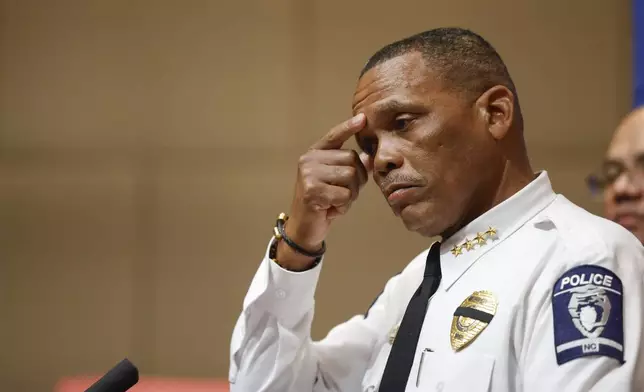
(403, 351)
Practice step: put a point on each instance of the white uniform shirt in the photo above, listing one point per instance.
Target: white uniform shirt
(569, 292)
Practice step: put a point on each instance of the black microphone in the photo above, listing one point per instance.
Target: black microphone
(119, 379)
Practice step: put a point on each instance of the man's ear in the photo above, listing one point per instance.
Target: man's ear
(496, 106)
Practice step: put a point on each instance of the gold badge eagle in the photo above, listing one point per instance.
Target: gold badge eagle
(471, 318)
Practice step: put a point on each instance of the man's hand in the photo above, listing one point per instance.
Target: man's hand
(328, 181)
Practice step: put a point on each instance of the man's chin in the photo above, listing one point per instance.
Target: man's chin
(417, 219)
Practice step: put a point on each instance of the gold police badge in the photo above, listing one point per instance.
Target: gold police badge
(471, 318)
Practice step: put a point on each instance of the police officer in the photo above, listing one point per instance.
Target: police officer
(524, 291)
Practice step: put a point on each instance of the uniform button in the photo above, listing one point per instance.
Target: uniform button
(281, 294)
(439, 386)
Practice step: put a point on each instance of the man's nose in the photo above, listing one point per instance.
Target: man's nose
(388, 156)
(625, 188)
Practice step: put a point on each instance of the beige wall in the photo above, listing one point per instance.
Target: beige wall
(146, 148)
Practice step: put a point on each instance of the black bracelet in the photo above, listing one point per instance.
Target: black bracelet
(280, 234)
(272, 254)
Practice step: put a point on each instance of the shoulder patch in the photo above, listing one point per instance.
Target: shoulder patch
(587, 313)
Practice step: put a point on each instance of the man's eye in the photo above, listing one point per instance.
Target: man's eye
(612, 171)
(401, 123)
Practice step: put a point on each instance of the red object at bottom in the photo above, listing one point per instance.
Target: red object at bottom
(145, 384)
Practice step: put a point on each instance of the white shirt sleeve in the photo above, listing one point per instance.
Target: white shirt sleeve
(589, 368)
(272, 350)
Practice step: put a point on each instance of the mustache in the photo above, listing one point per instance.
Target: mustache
(625, 211)
(399, 179)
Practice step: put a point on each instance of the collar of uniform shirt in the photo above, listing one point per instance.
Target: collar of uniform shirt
(492, 228)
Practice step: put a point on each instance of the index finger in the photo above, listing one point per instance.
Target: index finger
(341, 133)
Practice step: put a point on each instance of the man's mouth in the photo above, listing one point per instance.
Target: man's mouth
(629, 221)
(397, 193)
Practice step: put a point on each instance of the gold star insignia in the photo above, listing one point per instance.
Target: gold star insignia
(457, 250)
(468, 244)
(480, 240)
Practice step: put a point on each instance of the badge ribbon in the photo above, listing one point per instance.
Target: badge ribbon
(471, 318)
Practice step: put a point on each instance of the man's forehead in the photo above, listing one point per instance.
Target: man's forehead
(407, 72)
(628, 140)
